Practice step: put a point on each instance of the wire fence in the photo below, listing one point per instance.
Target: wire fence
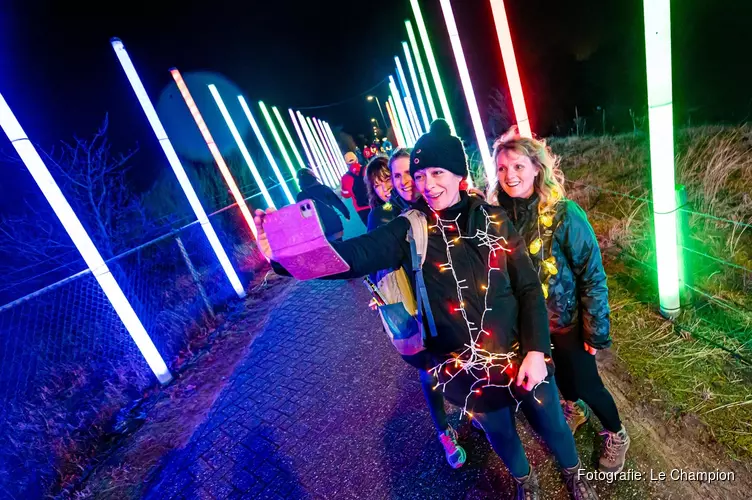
(736, 319)
(66, 359)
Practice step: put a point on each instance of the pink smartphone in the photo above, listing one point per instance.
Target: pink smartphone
(298, 242)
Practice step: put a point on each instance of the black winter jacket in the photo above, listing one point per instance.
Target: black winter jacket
(517, 316)
(387, 212)
(577, 293)
(326, 201)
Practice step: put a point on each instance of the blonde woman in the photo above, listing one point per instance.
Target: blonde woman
(564, 250)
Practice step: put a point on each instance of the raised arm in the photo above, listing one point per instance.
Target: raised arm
(383, 248)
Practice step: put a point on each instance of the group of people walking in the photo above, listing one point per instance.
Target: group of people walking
(516, 277)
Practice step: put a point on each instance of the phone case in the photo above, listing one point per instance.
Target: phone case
(298, 243)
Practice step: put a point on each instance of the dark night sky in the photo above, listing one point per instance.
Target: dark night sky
(60, 75)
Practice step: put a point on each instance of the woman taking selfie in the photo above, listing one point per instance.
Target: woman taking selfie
(490, 343)
(565, 252)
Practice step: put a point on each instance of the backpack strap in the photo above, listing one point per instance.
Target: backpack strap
(417, 235)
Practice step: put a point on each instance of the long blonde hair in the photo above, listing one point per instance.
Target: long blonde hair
(549, 183)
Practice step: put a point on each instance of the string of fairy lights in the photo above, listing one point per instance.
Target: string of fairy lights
(474, 359)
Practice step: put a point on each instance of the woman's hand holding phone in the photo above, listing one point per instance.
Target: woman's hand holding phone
(263, 242)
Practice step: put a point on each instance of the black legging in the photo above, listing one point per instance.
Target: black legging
(577, 377)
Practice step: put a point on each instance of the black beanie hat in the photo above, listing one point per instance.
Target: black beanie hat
(439, 148)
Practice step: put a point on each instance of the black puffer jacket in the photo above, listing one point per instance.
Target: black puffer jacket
(386, 212)
(517, 309)
(577, 293)
(326, 201)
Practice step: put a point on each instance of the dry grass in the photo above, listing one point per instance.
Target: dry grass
(691, 368)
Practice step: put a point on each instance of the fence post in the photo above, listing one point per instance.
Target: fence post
(682, 237)
(194, 275)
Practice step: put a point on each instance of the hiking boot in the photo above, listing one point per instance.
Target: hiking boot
(575, 413)
(579, 488)
(527, 487)
(455, 454)
(614, 453)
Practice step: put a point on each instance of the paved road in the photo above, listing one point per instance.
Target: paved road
(323, 408)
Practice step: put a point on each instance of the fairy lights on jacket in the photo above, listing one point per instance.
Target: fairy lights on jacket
(474, 359)
(544, 241)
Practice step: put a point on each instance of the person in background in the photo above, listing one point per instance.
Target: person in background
(565, 253)
(326, 201)
(403, 196)
(354, 187)
(379, 186)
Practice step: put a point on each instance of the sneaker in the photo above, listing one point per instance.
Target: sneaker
(527, 487)
(455, 454)
(579, 488)
(575, 413)
(614, 453)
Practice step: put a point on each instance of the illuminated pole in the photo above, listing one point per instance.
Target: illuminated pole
(401, 113)
(177, 167)
(82, 241)
(241, 145)
(265, 148)
(510, 67)
(395, 125)
(278, 140)
(226, 174)
(467, 87)
(432, 64)
(660, 115)
(417, 130)
(416, 86)
(288, 137)
(324, 173)
(325, 155)
(307, 152)
(413, 115)
(337, 151)
(421, 69)
(318, 159)
(325, 143)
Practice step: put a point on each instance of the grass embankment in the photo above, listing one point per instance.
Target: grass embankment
(696, 369)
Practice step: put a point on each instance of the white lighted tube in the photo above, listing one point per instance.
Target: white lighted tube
(82, 241)
(401, 114)
(337, 151)
(286, 131)
(241, 145)
(177, 167)
(399, 138)
(336, 155)
(327, 161)
(318, 163)
(308, 154)
(421, 69)
(467, 87)
(417, 129)
(226, 174)
(265, 148)
(322, 172)
(416, 86)
(325, 143)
